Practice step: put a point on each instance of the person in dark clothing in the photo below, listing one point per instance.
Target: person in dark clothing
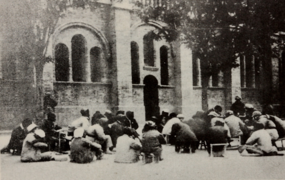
(51, 131)
(161, 121)
(238, 107)
(110, 116)
(49, 101)
(96, 117)
(217, 135)
(130, 116)
(152, 141)
(17, 138)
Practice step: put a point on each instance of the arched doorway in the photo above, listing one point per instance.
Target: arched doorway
(151, 96)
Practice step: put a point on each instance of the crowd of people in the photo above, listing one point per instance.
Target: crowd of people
(89, 138)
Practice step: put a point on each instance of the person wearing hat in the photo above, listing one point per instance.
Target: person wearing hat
(82, 150)
(17, 138)
(235, 124)
(216, 120)
(128, 147)
(238, 107)
(32, 146)
(259, 142)
(152, 140)
(269, 125)
(249, 109)
(83, 121)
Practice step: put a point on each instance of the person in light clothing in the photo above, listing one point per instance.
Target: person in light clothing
(128, 147)
(235, 124)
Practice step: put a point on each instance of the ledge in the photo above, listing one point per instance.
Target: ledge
(216, 88)
(249, 89)
(138, 85)
(87, 83)
(166, 86)
(150, 68)
(197, 87)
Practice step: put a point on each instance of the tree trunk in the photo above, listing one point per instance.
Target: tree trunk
(39, 84)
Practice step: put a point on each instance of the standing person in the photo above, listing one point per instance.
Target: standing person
(133, 121)
(83, 121)
(17, 138)
(128, 147)
(238, 107)
(49, 101)
(31, 151)
(82, 150)
(259, 142)
(152, 140)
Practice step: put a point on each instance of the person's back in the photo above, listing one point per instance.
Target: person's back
(81, 122)
(127, 149)
(234, 123)
(262, 139)
(167, 128)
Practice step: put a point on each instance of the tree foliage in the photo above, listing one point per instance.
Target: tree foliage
(219, 31)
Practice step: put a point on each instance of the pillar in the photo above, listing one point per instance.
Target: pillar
(236, 82)
(122, 86)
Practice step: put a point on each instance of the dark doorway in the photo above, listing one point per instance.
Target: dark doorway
(151, 97)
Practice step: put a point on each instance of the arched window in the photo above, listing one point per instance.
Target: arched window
(135, 63)
(148, 49)
(95, 62)
(61, 62)
(164, 65)
(78, 56)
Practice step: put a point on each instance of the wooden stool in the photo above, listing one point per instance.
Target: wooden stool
(281, 140)
(148, 158)
(218, 144)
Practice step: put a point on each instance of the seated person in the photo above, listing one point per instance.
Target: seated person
(133, 121)
(259, 142)
(215, 117)
(82, 150)
(152, 140)
(33, 143)
(17, 138)
(235, 124)
(166, 131)
(83, 121)
(51, 130)
(128, 147)
(95, 133)
(217, 135)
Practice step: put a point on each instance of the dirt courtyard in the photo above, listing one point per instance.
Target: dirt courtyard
(174, 166)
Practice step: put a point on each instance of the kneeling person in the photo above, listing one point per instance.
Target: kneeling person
(82, 150)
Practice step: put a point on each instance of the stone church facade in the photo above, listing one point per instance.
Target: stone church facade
(106, 58)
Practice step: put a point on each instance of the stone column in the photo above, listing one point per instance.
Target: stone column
(236, 82)
(122, 85)
(189, 107)
(88, 66)
(70, 64)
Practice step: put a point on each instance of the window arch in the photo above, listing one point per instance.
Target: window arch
(61, 62)
(148, 49)
(164, 65)
(78, 57)
(135, 63)
(95, 62)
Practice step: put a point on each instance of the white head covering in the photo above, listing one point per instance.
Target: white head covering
(166, 110)
(31, 127)
(180, 116)
(78, 132)
(40, 133)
